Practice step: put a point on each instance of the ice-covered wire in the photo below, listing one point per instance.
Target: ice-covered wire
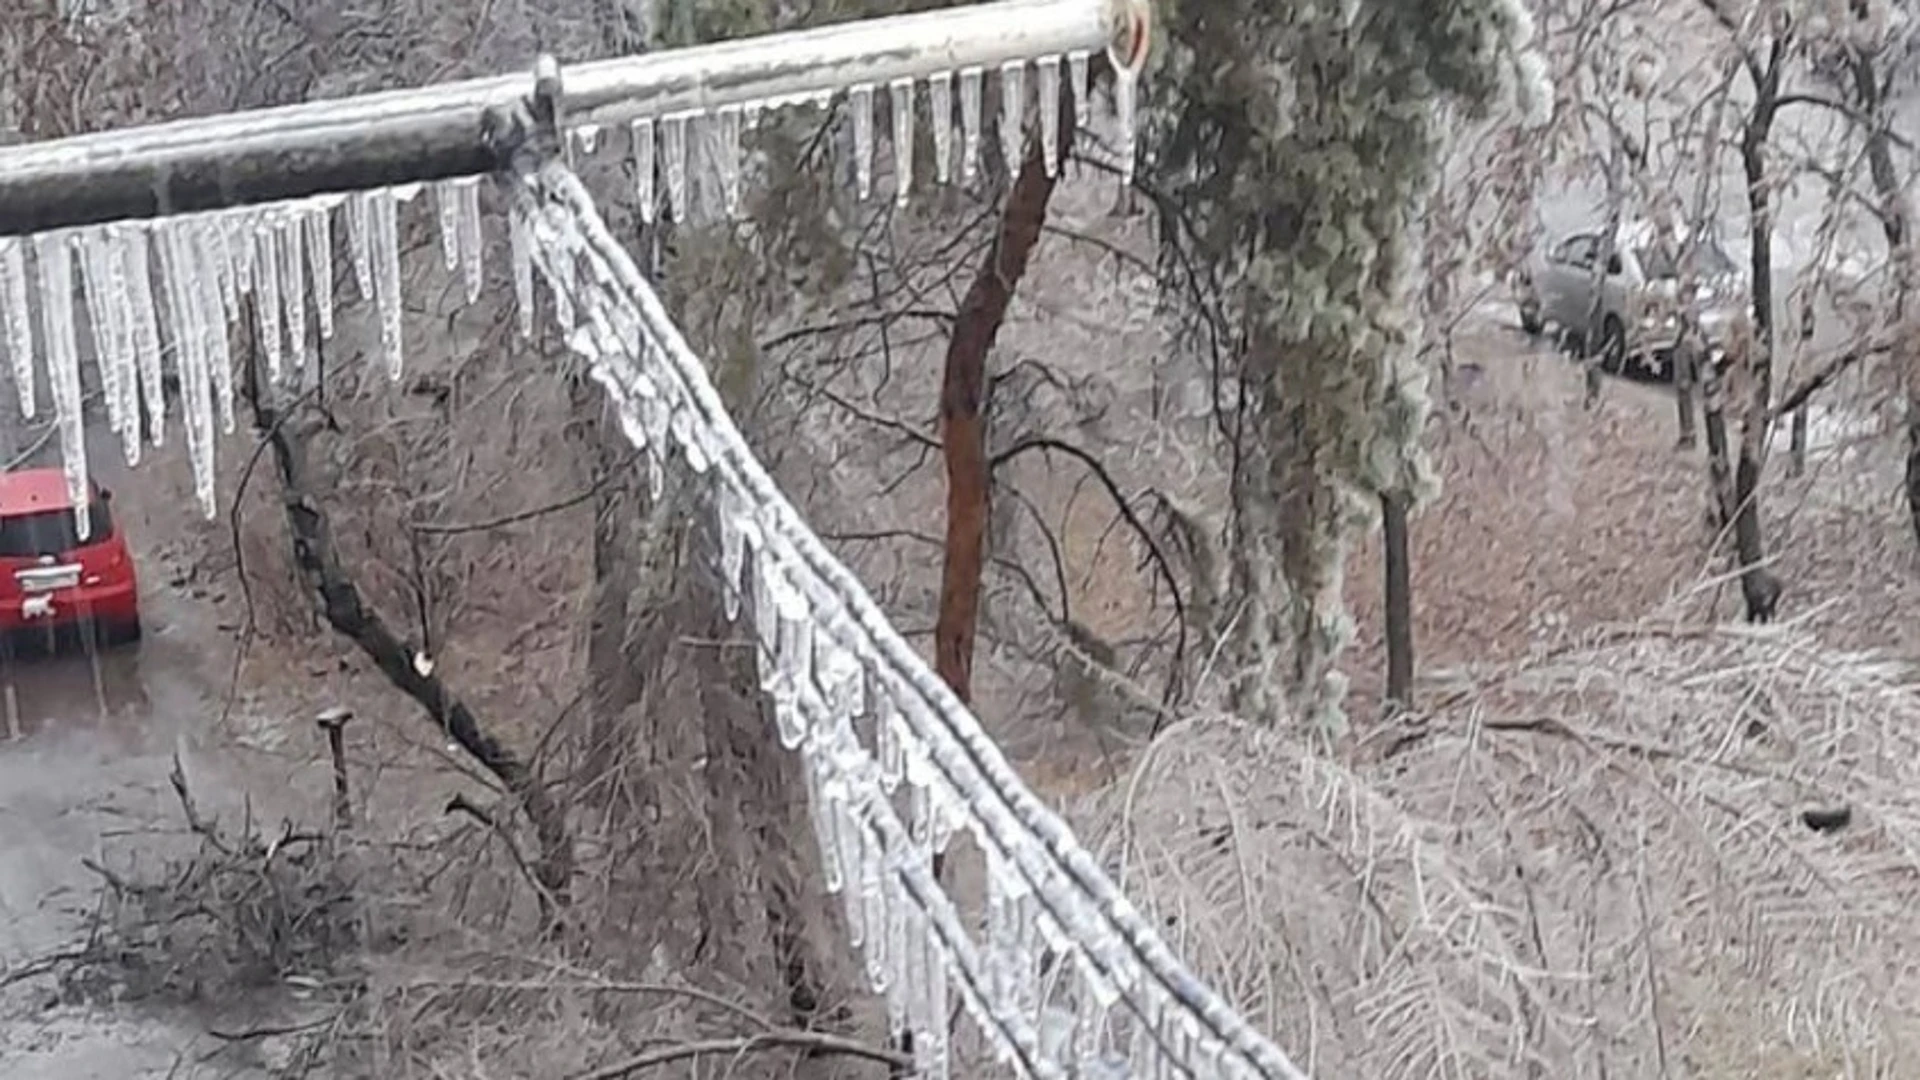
(1064, 877)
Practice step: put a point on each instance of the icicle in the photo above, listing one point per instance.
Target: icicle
(359, 239)
(902, 91)
(119, 364)
(1013, 115)
(766, 626)
(236, 234)
(54, 254)
(318, 219)
(851, 839)
(1049, 89)
(203, 243)
(820, 795)
(734, 526)
(872, 893)
(1126, 85)
(1082, 104)
(1090, 1027)
(267, 303)
(656, 477)
(970, 91)
(125, 359)
(999, 925)
(104, 317)
(293, 289)
(1205, 1059)
(183, 318)
(466, 193)
(915, 973)
(673, 137)
(643, 169)
(146, 332)
(900, 948)
(887, 739)
(793, 647)
(93, 276)
(728, 162)
(13, 297)
(222, 255)
(940, 105)
(444, 203)
(860, 100)
(384, 228)
(938, 1064)
(518, 241)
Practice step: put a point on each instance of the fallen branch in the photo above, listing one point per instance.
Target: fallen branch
(813, 1042)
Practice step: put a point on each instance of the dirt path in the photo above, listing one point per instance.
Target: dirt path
(87, 778)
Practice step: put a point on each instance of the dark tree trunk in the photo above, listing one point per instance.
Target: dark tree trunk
(1759, 587)
(962, 424)
(1395, 507)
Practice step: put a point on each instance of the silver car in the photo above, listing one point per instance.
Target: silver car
(1636, 312)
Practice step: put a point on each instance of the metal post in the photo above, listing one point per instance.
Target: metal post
(333, 722)
(440, 132)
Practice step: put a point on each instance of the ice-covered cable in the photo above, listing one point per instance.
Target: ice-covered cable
(665, 398)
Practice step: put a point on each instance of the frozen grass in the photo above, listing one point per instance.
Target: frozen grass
(1593, 862)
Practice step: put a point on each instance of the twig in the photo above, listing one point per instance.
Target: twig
(460, 804)
(813, 1042)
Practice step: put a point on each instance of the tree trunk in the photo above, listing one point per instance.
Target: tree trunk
(1395, 507)
(1758, 586)
(962, 428)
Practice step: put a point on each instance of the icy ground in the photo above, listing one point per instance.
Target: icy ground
(87, 779)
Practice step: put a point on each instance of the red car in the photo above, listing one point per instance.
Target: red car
(52, 579)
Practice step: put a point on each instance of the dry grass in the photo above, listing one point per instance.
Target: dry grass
(1588, 863)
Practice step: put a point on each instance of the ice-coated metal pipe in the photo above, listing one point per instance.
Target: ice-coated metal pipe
(438, 132)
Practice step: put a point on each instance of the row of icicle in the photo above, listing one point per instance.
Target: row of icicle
(1064, 978)
(191, 275)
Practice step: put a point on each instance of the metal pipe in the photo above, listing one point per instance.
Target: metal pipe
(440, 132)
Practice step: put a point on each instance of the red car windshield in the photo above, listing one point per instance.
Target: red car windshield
(51, 532)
